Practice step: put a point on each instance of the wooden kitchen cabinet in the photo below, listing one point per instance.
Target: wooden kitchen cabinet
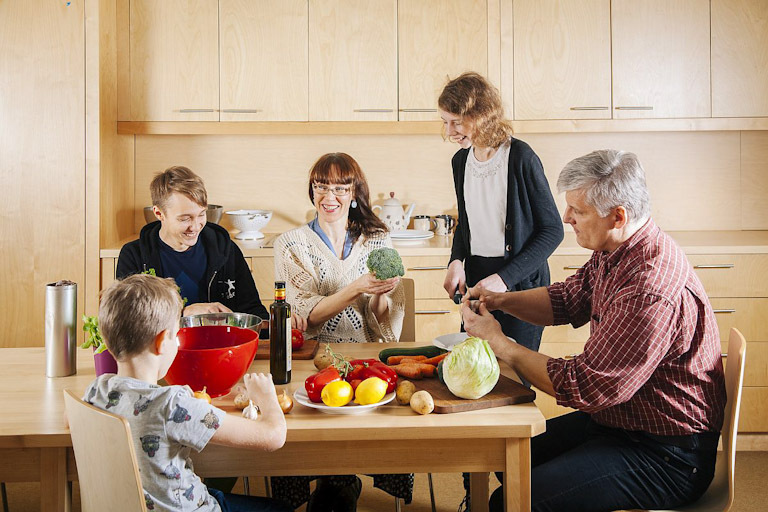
(353, 60)
(263, 60)
(660, 58)
(562, 59)
(739, 58)
(437, 39)
(174, 61)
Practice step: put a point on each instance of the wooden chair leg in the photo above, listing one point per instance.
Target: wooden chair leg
(397, 504)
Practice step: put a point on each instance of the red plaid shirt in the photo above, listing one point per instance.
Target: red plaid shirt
(652, 361)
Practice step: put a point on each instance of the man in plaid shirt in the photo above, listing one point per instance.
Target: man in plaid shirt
(649, 387)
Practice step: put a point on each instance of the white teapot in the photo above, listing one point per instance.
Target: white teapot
(392, 213)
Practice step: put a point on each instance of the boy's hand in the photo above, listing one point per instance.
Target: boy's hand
(262, 391)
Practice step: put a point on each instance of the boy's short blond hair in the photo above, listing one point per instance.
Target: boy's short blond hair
(135, 310)
(177, 179)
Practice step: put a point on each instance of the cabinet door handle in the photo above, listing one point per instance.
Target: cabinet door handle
(571, 267)
(195, 110)
(373, 110)
(722, 354)
(428, 268)
(418, 110)
(715, 265)
(634, 108)
(590, 108)
(724, 311)
(433, 312)
(242, 110)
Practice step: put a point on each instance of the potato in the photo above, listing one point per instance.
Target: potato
(422, 402)
(322, 361)
(404, 392)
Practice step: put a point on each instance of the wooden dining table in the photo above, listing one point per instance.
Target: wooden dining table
(35, 444)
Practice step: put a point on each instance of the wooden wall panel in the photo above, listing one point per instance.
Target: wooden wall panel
(754, 180)
(42, 167)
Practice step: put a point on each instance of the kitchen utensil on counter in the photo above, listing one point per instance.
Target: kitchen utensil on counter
(249, 223)
(243, 320)
(214, 356)
(213, 213)
(444, 224)
(60, 329)
(423, 223)
(392, 213)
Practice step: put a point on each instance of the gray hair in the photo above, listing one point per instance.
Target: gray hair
(609, 178)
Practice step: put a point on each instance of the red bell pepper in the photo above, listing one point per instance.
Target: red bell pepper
(317, 381)
(365, 368)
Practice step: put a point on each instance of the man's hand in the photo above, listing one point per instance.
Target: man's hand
(205, 307)
(493, 284)
(481, 323)
(455, 278)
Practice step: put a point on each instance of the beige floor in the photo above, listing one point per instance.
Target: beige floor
(751, 490)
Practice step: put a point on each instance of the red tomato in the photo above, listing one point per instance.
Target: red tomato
(297, 339)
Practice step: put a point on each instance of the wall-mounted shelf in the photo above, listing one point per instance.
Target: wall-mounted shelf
(433, 127)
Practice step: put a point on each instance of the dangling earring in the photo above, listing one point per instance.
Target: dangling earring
(353, 204)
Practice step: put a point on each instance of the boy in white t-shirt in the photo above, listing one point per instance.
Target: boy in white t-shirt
(139, 318)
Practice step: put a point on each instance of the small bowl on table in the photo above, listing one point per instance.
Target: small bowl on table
(249, 223)
(242, 320)
(213, 356)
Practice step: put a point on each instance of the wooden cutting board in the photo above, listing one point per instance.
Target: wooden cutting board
(506, 392)
(308, 351)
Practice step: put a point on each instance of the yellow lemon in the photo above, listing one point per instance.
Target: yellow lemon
(370, 391)
(337, 394)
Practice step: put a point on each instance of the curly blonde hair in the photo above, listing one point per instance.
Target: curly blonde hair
(472, 97)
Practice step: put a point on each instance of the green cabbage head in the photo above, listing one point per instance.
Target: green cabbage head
(471, 370)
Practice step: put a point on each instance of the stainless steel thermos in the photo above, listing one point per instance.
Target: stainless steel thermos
(60, 329)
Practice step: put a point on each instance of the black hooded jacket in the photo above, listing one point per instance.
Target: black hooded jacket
(229, 279)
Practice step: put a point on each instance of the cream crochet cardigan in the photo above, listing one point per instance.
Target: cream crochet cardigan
(312, 271)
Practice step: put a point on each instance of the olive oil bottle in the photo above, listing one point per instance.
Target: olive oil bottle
(280, 337)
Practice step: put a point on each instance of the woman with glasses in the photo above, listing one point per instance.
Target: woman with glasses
(323, 264)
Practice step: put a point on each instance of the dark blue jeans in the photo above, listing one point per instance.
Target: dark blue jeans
(578, 465)
(242, 503)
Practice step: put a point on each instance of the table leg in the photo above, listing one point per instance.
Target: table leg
(478, 491)
(517, 477)
(55, 493)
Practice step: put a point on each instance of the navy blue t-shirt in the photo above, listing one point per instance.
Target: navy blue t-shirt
(187, 269)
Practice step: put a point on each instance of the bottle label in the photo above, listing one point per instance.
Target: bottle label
(289, 344)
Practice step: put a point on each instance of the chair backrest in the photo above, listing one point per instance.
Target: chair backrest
(409, 322)
(734, 379)
(105, 456)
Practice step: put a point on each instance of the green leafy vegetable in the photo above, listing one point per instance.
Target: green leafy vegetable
(93, 338)
(385, 263)
(471, 370)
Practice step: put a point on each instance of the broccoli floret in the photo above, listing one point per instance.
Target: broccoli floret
(385, 263)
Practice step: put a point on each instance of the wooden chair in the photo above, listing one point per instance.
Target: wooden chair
(720, 494)
(105, 456)
(409, 322)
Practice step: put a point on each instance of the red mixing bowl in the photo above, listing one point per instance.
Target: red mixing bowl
(214, 356)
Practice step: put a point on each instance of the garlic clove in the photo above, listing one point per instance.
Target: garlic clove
(252, 411)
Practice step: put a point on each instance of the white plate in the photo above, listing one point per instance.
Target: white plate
(447, 341)
(300, 395)
(411, 234)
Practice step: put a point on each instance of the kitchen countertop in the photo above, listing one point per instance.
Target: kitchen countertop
(693, 242)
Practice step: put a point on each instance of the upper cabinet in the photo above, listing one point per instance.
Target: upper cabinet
(263, 60)
(174, 61)
(438, 39)
(739, 58)
(353, 60)
(562, 59)
(660, 59)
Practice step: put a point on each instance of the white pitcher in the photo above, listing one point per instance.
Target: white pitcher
(392, 213)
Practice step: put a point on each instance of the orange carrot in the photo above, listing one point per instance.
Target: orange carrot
(399, 359)
(427, 370)
(435, 360)
(408, 371)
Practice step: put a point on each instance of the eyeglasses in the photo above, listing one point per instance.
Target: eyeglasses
(338, 190)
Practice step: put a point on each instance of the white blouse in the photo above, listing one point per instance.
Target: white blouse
(485, 198)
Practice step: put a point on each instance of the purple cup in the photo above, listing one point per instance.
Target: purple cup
(105, 363)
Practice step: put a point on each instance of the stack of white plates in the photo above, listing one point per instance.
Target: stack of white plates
(411, 234)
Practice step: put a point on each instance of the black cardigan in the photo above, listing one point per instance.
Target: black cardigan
(533, 228)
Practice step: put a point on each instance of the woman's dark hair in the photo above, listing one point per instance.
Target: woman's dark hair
(342, 169)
